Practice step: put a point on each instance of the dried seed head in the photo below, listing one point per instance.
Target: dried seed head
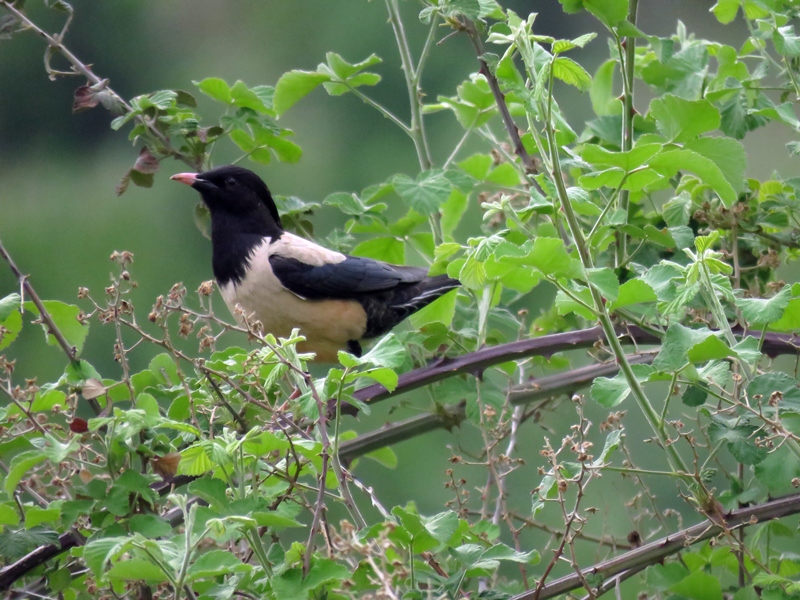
(206, 288)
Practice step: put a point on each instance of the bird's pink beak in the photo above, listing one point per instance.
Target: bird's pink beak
(187, 178)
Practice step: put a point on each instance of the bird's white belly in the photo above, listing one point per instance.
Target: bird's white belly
(327, 324)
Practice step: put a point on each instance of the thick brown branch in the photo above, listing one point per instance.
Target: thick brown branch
(475, 363)
(656, 551)
(452, 415)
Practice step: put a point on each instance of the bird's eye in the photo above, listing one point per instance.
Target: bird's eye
(230, 182)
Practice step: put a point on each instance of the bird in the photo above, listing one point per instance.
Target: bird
(287, 282)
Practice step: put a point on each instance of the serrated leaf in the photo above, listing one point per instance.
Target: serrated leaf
(605, 280)
(215, 88)
(20, 465)
(604, 101)
(135, 569)
(727, 154)
(739, 440)
(388, 352)
(571, 73)
(426, 193)
(683, 345)
(670, 162)
(760, 311)
(294, 86)
(681, 120)
(442, 310)
(385, 248)
(610, 391)
(549, 255)
(65, 318)
(726, 10)
(633, 291)
(10, 319)
(214, 563)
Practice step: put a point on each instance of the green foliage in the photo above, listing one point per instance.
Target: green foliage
(212, 473)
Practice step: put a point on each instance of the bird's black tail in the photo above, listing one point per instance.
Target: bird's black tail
(386, 310)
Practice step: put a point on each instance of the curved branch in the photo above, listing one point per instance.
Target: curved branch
(657, 550)
(452, 415)
(475, 363)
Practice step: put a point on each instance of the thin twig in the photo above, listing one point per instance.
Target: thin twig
(53, 329)
(500, 99)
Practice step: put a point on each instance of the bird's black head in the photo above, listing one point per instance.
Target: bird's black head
(233, 191)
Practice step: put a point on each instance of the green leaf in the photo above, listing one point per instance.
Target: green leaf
(759, 311)
(388, 352)
(8, 514)
(214, 563)
(633, 291)
(244, 97)
(385, 376)
(387, 249)
(9, 305)
(786, 42)
(36, 515)
(727, 154)
(477, 165)
(426, 194)
(608, 12)
(725, 10)
(213, 490)
(20, 465)
(384, 456)
(611, 445)
(275, 520)
(670, 162)
(76, 373)
(627, 161)
(739, 440)
(605, 280)
(604, 101)
(10, 319)
(194, 461)
(608, 392)
(215, 88)
(678, 210)
(683, 345)
(294, 86)
(566, 304)
(549, 255)
(694, 395)
(150, 526)
(65, 318)
(681, 120)
(441, 310)
(344, 70)
(452, 211)
(442, 526)
(762, 387)
(291, 585)
(135, 569)
(571, 73)
(699, 586)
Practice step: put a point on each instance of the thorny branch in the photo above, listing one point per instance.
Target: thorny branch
(655, 551)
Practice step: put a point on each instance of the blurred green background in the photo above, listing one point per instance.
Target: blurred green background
(60, 217)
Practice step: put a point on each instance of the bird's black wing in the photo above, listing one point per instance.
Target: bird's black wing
(351, 278)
